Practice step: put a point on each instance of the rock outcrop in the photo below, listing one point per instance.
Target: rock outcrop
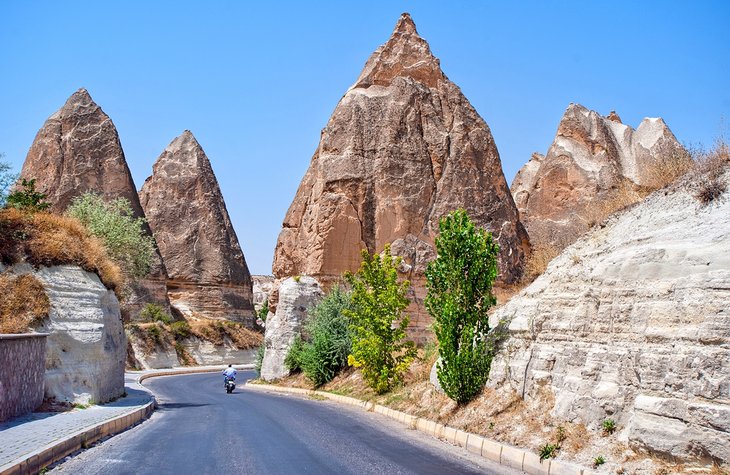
(402, 149)
(263, 285)
(296, 295)
(77, 151)
(86, 348)
(208, 275)
(632, 323)
(591, 157)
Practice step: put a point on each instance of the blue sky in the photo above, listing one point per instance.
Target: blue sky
(256, 81)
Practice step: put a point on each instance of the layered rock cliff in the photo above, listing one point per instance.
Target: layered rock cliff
(402, 148)
(590, 160)
(77, 151)
(632, 322)
(208, 275)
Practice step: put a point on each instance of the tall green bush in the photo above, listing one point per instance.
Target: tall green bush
(27, 198)
(7, 178)
(123, 234)
(379, 328)
(459, 284)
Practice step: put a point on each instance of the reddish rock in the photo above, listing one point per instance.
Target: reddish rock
(76, 151)
(591, 158)
(402, 149)
(208, 275)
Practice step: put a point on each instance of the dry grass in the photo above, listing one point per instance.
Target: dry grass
(621, 197)
(709, 171)
(666, 168)
(23, 303)
(217, 331)
(45, 239)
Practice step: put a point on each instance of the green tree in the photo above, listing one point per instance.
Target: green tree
(28, 198)
(459, 284)
(123, 234)
(7, 178)
(378, 326)
(327, 339)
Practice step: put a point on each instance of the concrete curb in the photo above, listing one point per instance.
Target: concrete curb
(506, 455)
(35, 461)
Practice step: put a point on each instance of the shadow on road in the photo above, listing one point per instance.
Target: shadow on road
(178, 405)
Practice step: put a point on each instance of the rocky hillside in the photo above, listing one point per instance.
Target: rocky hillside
(208, 275)
(78, 150)
(592, 161)
(632, 323)
(402, 148)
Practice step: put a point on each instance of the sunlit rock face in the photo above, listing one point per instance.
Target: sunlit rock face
(208, 275)
(632, 323)
(77, 151)
(590, 158)
(402, 149)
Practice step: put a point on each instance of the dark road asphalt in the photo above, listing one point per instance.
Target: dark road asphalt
(198, 428)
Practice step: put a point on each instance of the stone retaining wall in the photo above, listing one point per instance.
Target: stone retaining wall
(22, 368)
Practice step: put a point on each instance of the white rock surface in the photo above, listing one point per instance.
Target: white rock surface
(282, 327)
(86, 349)
(263, 285)
(206, 353)
(632, 322)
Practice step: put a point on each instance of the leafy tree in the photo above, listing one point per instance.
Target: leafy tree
(459, 284)
(379, 346)
(327, 339)
(123, 234)
(27, 199)
(7, 178)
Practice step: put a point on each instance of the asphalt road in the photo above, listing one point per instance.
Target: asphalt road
(199, 429)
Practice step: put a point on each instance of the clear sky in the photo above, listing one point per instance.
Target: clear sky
(256, 81)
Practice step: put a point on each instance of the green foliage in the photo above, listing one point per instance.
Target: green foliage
(154, 333)
(459, 284)
(123, 234)
(259, 359)
(598, 461)
(7, 178)
(548, 451)
(378, 327)
(156, 313)
(293, 360)
(328, 339)
(27, 199)
(264, 310)
(609, 426)
(180, 330)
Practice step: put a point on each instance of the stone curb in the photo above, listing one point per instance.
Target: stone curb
(35, 461)
(506, 455)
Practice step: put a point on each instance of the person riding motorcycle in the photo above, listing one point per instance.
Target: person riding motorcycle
(229, 373)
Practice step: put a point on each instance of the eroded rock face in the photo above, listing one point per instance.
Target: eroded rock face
(77, 151)
(589, 159)
(87, 348)
(402, 149)
(263, 285)
(631, 322)
(208, 275)
(295, 297)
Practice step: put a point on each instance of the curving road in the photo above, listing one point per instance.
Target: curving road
(199, 429)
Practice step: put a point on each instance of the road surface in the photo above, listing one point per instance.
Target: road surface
(199, 429)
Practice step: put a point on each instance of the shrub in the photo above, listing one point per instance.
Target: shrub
(23, 303)
(259, 358)
(183, 356)
(27, 199)
(609, 426)
(666, 167)
(264, 310)
(378, 326)
(45, 239)
(598, 461)
(329, 341)
(155, 313)
(123, 234)
(459, 284)
(709, 172)
(180, 330)
(293, 360)
(548, 451)
(7, 178)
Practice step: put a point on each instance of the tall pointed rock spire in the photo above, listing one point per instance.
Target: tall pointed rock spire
(402, 149)
(208, 275)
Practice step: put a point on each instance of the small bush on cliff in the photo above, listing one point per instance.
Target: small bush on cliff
(459, 284)
(155, 313)
(123, 234)
(378, 326)
(328, 340)
(23, 303)
(27, 198)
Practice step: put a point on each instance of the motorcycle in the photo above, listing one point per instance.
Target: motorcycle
(229, 384)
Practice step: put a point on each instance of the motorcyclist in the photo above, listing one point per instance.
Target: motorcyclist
(229, 373)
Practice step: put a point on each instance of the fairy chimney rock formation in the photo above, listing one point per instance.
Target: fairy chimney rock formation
(77, 151)
(591, 157)
(208, 275)
(402, 149)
